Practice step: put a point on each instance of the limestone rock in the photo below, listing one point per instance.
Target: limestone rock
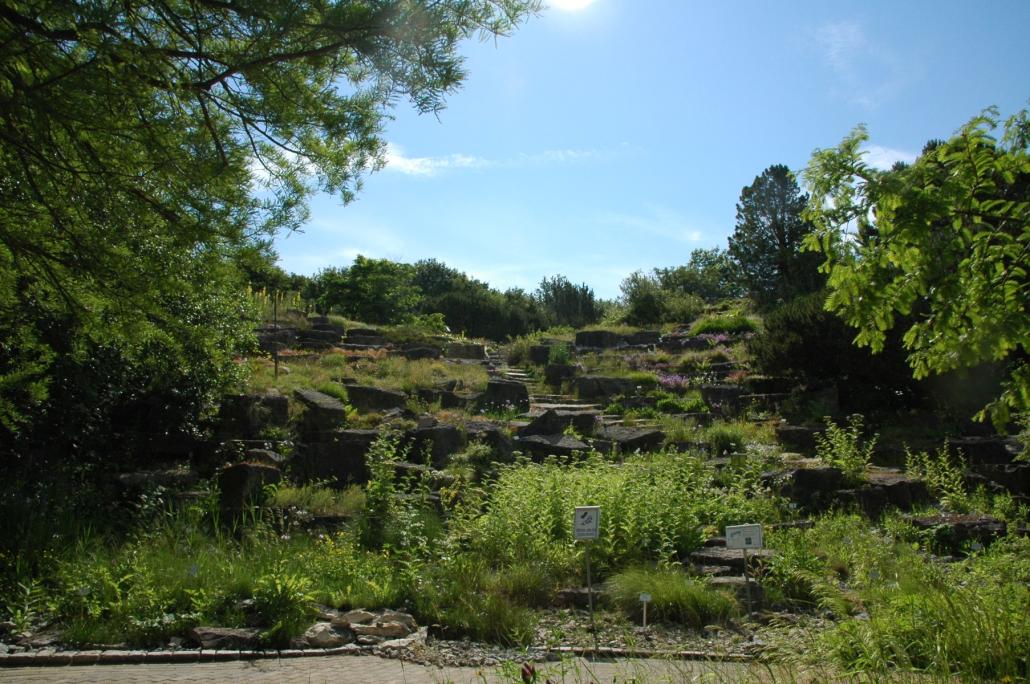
(226, 638)
(325, 635)
(355, 617)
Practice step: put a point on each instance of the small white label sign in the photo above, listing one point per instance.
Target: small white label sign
(586, 522)
(743, 536)
(645, 597)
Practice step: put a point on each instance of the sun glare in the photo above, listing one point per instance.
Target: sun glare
(570, 5)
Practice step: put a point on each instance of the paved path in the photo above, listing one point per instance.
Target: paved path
(374, 670)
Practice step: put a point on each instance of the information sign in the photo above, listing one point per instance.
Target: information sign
(743, 536)
(586, 522)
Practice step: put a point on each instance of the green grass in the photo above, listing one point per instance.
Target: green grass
(724, 323)
(388, 372)
(318, 499)
(676, 597)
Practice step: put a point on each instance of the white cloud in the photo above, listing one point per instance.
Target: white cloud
(865, 72)
(658, 221)
(883, 158)
(396, 160)
(427, 167)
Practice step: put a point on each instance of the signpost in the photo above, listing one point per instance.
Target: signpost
(645, 598)
(744, 537)
(586, 525)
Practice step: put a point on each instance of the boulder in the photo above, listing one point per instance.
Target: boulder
(339, 456)
(323, 412)
(644, 338)
(501, 395)
(446, 398)
(598, 339)
(465, 350)
(369, 398)
(418, 638)
(885, 491)
(494, 436)
(326, 635)
(553, 422)
(354, 617)
(556, 373)
(274, 338)
(441, 441)
(542, 446)
(631, 439)
(246, 415)
(539, 354)
(419, 352)
(724, 400)
(811, 488)
(797, 438)
(983, 450)
(239, 486)
(954, 532)
(226, 638)
(383, 629)
(600, 387)
(315, 321)
(1015, 477)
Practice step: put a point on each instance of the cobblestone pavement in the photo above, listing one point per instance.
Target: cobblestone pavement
(358, 669)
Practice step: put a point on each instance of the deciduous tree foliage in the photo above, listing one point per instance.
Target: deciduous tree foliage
(143, 145)
(766, 243)
(709, 274)
(945, 240)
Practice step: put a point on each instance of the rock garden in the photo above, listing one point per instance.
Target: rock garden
(413, 498)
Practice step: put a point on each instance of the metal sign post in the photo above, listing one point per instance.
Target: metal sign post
(744, 537)
(586, 525)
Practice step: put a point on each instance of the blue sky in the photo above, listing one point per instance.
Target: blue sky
(597, 141)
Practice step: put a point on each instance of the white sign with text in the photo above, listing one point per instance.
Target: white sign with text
(743, 536)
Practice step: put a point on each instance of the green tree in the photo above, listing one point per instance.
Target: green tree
(568, 304)
(944, 240)
(145, 146)
(709, 274)
(370, 290)
(649, 303)
(766, 242)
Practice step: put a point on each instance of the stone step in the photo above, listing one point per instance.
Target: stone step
(536, 408)
(734, 558)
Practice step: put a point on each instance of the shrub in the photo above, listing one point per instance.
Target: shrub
(725, 438)
(559, 354)
(800, 339)
(675, 596)
(944, 475)
(726, 324)
(284, 602)
(844, 448)
(692, 403)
